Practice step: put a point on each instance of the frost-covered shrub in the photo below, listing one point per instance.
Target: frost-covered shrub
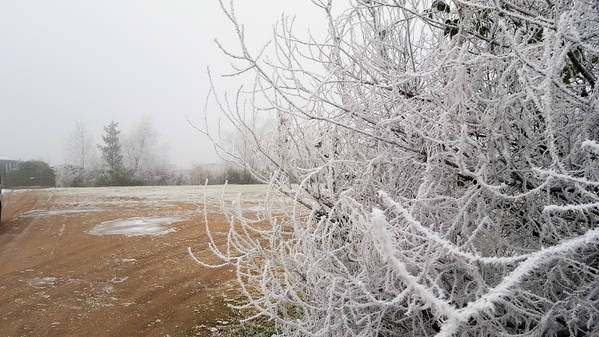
(448, 156)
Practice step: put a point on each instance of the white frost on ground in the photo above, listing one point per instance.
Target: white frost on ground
(251, 198)
(41, 282)
(166, 196)
(135, 226)
(23, 190)
(51, 212)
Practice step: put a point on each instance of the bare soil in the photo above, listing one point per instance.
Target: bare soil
(58, 280)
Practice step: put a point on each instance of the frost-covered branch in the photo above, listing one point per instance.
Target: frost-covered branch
(445, 157)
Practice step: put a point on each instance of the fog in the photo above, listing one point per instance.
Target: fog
(70, 61)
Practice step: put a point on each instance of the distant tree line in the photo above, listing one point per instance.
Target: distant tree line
(220, 174)
(134, 159)
(36, 173)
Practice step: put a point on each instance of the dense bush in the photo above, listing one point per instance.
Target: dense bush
(32, 173)
(447, 153)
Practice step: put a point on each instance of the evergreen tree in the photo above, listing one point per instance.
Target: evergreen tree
(111, 152)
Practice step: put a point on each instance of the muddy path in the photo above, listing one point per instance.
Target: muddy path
(56, 279)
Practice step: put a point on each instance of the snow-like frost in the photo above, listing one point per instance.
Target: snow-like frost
(564, 208)
(447, 152)
(53, 212)
(593, 145)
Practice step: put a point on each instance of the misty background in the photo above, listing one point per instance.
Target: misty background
(70, 62)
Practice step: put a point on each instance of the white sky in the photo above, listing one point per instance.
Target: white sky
(64, 61)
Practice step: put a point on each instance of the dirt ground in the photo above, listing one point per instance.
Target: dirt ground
(56, 279)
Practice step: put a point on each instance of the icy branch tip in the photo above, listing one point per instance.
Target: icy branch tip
(594, 146)
(380, 234)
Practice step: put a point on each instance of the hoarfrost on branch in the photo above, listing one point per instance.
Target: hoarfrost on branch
(443, 157)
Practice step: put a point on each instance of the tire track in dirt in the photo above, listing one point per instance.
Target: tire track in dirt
(14, 227)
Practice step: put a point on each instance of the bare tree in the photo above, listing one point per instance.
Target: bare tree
(80, 155)
(145, 157)
(79, 146)
(447, 157)
(140, 145)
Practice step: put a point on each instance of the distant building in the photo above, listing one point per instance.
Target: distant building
(7, 165)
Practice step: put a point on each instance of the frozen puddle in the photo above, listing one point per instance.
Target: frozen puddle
(135, 226)
(42, 282)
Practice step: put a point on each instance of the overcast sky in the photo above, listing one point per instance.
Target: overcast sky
(87, 61)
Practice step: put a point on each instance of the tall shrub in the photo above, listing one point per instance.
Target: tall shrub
(447, 154)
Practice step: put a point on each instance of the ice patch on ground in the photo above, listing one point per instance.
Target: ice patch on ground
(252, 208)
(50, 212)
(41, 282)
(135, 226)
